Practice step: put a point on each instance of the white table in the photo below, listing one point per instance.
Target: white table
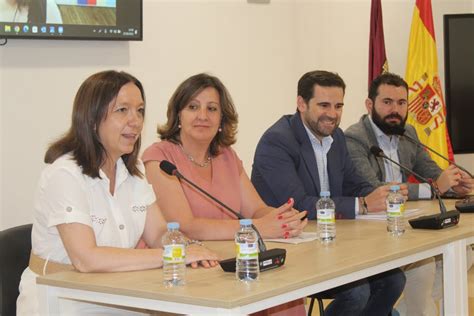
(362, 249)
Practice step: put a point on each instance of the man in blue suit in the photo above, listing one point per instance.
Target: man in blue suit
(306, 153)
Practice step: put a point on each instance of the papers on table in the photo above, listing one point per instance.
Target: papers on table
(382, 216)
(310, 236)
(304, 237)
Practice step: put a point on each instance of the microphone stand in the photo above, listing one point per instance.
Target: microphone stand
(261, 244)
(418, 143)
(436, 221)
(267, 259)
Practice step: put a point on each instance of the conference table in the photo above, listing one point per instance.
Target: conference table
(362, 248)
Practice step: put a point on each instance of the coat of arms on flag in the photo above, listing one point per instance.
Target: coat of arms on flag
(426, 107)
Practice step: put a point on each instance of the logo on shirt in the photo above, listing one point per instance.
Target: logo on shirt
(98, 220)
(139, 208)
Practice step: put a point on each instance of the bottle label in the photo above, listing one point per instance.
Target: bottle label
(326, 216)
(247, 251)
(395, 209)
(174, 254)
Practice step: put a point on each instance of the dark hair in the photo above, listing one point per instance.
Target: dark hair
(321, 78)
(36, 10)
(23, 3)
(90, 108)
(385, 78)
(185, 92)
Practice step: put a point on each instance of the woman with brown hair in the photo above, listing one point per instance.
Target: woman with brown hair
(197, 138)
(93, 204)
(201, 127)
(30, 11)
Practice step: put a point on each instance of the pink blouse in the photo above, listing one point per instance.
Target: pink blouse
(224, 185)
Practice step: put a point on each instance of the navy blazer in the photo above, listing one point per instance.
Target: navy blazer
(285, 166)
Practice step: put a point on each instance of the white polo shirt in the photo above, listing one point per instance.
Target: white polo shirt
(66, 195)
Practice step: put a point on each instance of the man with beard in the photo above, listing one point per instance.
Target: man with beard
(305, 153)
(387, 105)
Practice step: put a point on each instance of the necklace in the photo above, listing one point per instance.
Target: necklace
(191, 158)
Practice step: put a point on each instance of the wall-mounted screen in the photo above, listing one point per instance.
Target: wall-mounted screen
(72, 19)
(459, 73)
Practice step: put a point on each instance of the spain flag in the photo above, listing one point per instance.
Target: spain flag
(426, 108)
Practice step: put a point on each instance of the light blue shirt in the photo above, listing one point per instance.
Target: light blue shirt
(389, 145)
(321, 149)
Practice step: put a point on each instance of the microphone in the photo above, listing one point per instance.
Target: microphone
(436, 221)
(267, 259)
(171, 170)
(399, 130)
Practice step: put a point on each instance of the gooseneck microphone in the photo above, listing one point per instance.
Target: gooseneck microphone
(171, 170)
(436, 221)
(268, 259)
(401, 132)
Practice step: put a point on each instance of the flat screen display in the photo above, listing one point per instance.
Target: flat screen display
(459, 73)
(71, 19)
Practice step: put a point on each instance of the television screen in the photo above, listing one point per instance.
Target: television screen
(459, 73)
(71, 19)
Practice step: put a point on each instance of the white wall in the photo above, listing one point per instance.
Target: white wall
(259, 51)
(334, 35)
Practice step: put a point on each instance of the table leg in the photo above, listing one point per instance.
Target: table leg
(48, 300)
(455, 279)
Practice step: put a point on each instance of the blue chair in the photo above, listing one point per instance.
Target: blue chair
(15, 248)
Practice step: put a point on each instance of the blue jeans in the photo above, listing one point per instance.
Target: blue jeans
(374, 295)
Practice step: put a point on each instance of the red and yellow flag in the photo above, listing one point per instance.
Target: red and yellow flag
(426, 108)
(377, 58)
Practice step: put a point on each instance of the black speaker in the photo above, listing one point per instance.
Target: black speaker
(436, 221)
(267, 260)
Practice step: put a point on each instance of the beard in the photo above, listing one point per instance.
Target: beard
(317, 127)
(387, 127)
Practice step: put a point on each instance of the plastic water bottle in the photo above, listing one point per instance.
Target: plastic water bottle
(174, 265)
(326, 219)
(246, 242)
(395, 211)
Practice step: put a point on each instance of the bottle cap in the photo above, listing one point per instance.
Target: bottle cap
(394, 188)
(172, 225)
(325, 194)
(245, 222)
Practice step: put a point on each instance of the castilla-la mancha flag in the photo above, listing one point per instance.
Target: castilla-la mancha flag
(426, 107)
(377, 58)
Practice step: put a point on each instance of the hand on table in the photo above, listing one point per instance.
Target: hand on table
(197, 255)
(282, 222)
